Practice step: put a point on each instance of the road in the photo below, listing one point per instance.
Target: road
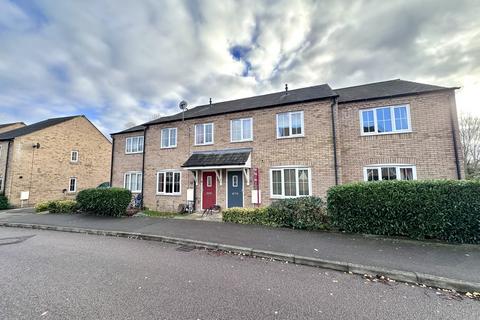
(56, 275)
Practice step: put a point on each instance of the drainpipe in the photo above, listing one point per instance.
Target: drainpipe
(143, 163)
(334, 135)
(111, 161)
(6, 169)
(453, 120)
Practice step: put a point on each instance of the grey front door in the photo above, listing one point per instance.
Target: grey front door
(235, 189)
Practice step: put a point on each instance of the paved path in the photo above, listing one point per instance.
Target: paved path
(56, 275)
(459, 262)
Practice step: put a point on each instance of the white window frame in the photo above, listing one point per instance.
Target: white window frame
(1, 183)
(241, 130)
(281, 169)
(125, 180)
(290, 113)
(392, 117)
(164, 193)
(70, 184)
(71, 156)
(169, 146)
(204, 134)
(390, 165)
(132, 139)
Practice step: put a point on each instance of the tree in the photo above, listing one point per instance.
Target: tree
(470, 137)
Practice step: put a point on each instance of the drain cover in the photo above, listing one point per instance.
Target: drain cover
(185, 248)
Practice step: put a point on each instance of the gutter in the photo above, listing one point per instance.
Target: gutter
(6, 169)
(454, 136)
(334, 136)
(111, 161)
(143, 163)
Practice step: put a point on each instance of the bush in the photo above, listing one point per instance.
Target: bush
(57, 206)
(443, 209)
(298, 213)
(247, 216)
(4, 202)
(104, 202)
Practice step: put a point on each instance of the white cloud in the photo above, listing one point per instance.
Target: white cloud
(121, 62)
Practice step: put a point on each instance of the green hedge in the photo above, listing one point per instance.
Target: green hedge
(298, 213)
(104, 202)
(247, 216)
(57, 206)
(4, 202)
(443, 209)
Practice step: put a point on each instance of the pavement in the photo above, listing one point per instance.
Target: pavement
(453, 262)
(57, 275)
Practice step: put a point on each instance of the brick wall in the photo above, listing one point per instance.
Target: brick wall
(429, 146)
(123, 162)
(51, 170)
(314, 150)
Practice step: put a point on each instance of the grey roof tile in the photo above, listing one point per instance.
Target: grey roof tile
(33, 127)
(227, 157)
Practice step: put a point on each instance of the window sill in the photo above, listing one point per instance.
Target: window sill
(201, 145)
(169, 194)
(240, 141)
(287, 197)
(384, 133)
(291, 137)
(168, 147)
(134, 152)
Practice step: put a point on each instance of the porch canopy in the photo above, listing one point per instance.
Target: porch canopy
(216, 160)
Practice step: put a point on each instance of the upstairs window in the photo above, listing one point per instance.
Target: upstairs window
(72, 186)
(204, 134)
(169, 138)
(133, 181)
(74, 156)
(241, 130)
(385, 120)
(134, 145)
(290, 124)
(290, 182)
(390, 172)
(168, 182)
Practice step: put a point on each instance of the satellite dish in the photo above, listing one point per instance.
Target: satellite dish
(183, 105)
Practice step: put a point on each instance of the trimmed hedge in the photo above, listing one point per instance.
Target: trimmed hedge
(104, 202)
(247, 216)
(444, 209)
(297, 213)
(57, 206)
(4, 203)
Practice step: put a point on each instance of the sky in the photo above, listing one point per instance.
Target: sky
(122, 63)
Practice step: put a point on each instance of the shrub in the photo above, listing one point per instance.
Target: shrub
(104, 202)
(4, 202)
(57, 206)
(443, 209)
(247, 216)
(299, 213)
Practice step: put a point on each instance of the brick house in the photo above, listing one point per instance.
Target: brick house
(251, 151)
(52, 159)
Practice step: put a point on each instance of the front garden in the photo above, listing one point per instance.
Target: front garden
(442, 210)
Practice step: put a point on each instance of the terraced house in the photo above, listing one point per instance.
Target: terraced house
(251, 151)
(51, 159)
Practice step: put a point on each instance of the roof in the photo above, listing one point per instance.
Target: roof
(370, 91)
(215, 158)
(12, 134)
(3, 125)
(322, 91)
(384, 89)
(132, 129)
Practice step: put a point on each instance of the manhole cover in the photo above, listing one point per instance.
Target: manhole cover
(185, 248)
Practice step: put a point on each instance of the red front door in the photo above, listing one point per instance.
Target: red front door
(209, 194)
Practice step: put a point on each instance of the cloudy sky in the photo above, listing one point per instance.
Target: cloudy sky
(124, 62)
